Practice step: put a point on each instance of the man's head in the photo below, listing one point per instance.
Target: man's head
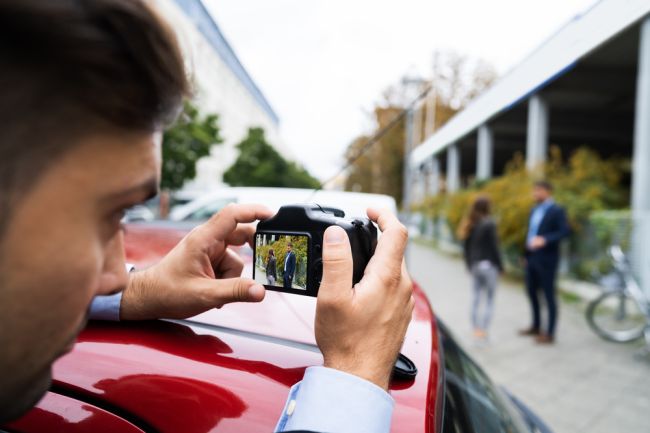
(542, 190)
(289, 247)
(87, 88)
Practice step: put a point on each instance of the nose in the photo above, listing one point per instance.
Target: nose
(114, 276)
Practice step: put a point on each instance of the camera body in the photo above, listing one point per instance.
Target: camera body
(289, 246)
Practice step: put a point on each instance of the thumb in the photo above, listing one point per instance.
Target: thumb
(237, 290)
(337, 264)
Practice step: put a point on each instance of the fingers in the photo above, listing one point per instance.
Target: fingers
(235, 290)
(244, 233)
(222, 224)
(389, 253)
(230, 266)
(337, 265)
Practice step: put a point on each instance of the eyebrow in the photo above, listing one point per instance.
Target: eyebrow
(148, 188)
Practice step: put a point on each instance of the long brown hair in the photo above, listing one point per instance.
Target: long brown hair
(479, 210)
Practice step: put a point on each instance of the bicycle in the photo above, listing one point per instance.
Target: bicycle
(622, 312)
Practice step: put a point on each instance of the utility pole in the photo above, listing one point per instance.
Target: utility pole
(432, 102)
(409, 144)
(409, 141)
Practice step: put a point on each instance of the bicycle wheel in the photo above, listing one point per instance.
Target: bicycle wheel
(616, 317)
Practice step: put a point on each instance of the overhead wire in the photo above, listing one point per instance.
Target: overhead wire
(375, 138)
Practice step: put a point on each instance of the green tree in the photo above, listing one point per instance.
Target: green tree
(188, 140)
(583, 184)
(259, 164)
(456, 81)
(380, 168)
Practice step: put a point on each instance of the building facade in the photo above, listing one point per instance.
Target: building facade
(223, 86)
(588, 84)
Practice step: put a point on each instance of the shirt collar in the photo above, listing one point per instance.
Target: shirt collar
(546, 203)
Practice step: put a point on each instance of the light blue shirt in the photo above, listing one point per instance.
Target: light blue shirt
(286, 259)
(326, 400)
(536, 219)
(106, 307)
(329, 400)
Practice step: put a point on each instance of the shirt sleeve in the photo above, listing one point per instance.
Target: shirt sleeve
(107, 307)
(329, 400)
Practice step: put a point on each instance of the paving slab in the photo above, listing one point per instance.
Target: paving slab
(580, 384)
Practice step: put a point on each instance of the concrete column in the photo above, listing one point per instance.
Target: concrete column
(641, 162)
(485, 149)
(434, 175)
(537, 135)
(453, 168)
(422, 182)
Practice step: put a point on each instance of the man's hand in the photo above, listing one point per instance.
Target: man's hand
(360, 329)
(537, 242)
(200, 273)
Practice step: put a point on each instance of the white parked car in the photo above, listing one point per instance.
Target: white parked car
(352, 203)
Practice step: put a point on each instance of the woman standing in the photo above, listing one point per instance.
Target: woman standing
(271, 272)
(481, 250)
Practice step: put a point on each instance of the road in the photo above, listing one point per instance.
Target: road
(581, 384)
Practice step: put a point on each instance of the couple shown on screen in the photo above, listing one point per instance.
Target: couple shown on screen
(288, 269)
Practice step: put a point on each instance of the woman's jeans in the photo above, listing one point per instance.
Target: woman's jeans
(485, 276)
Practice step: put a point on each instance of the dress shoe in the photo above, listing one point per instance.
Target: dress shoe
(544, 339)
(529, 332)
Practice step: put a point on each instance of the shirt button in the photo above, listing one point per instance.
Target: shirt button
(291, 407)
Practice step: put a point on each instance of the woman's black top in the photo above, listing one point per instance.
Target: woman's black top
(483, 244)
(270, 268)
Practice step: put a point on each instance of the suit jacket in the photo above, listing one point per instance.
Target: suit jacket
(290, 265)
(554, 227)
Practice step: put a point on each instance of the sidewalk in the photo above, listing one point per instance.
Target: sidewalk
(580, 384)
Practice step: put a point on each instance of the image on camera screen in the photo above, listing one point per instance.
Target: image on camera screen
(281, 260)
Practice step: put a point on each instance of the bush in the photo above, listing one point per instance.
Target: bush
(584, 184)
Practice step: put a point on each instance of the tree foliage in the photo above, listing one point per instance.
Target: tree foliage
(188, 140)
(380, 169)
(456, 81)
(259, 164)
(582, 185)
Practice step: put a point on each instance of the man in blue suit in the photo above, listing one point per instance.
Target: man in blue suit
(547, 226)
(289, 267)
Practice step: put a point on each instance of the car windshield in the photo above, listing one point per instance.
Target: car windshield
(473, 403)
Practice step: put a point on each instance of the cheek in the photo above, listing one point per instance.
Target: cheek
(51, 276)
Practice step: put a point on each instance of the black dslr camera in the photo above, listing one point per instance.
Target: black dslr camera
(288, 247)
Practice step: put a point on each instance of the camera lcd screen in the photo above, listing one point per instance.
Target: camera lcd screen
(281, 261)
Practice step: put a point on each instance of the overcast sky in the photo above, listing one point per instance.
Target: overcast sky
(322, 64)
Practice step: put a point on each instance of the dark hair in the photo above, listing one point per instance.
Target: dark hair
(544, 184)
(290, 244)
(70, 68)
(479, 210)
(271, 254)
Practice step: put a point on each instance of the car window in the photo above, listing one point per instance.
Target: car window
(473, 403)
(206, 211)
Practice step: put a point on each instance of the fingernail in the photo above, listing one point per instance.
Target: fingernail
(334, 235)
(256, 291)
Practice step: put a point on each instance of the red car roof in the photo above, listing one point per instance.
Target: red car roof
(226, 370)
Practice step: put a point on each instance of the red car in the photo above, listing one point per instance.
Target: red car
(230, 370)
